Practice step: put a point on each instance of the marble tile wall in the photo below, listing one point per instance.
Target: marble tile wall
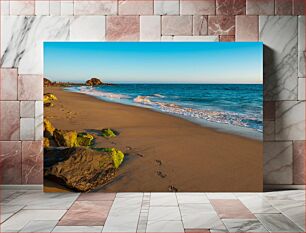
(279, 24)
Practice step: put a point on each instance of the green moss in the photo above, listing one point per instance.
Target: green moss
(48, 128)
(108, 133)
(46, 143)
(117, 157)
(85, 139)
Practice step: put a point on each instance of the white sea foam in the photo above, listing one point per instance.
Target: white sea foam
(223, 117)
(91, 91)
(159, 95)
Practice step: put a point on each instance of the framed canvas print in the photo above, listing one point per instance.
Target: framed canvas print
(153, 116)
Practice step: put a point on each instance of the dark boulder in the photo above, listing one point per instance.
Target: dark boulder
(80, 169)
(94, 82)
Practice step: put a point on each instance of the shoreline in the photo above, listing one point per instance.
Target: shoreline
(192, 157)
(215, 126)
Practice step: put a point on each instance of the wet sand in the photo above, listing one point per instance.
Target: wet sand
(161, 150)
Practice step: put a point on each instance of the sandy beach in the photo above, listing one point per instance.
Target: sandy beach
(161, 150)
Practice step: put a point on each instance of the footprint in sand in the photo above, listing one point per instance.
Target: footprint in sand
(160, 174)
(171, 188)
(159, 162)
(140, 155)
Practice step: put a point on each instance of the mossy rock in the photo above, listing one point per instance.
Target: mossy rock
(48, 128)
(85, 139)
(117, 155)
(48, 99)
(65, 138)
(108, 133)
(50, 96)
(46, 143)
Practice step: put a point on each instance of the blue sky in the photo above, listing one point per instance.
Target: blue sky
(154, 62)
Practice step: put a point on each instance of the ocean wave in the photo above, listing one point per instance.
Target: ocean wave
(159, 95)
(97, 93)
(231, 118)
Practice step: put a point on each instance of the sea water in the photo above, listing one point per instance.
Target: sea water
(234, 108)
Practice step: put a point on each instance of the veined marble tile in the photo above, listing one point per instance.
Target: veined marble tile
(9, 121)
(177, 25)
(165, 226)
(20, 219)
(239, 225)
(301, 88)
(298, 7)
(16, 194)
(150, 28)
(221, 196)
(301, 46)
(122, 28)
(27, 108)
(231, 209)
(37, 200)
(22, 40)
(66, 7)
(32, 162)
(8, 84)
(191, 38)
(290, 120)
(203, 7)
(30, 87)
(55, 7)
(283, 7)
(135, 7)
(221, 25)
(27, 129)
(124, 214)
(246, 28)
(42, 7)
(122, 219)
(294, 210)
(260, 7)
(87, 28)
(199, 216)
(90, 213)
(279, 35)
(269, 131)
(225, 38)
(73, 229)
(6, 194)
(128, 202)
(166, 7)
(106, 7)
(5, 7)
(39, 226)
(9, 210)
(200, 25)
(22, 7)
(294, 195)
(167, 213)
(39, 117)
(192, 198)
(278, 163)
(299, 162)
(97, 196)
(257, 205)
(230, 7)
(277, 223)
(163, 199)
(129, 195)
